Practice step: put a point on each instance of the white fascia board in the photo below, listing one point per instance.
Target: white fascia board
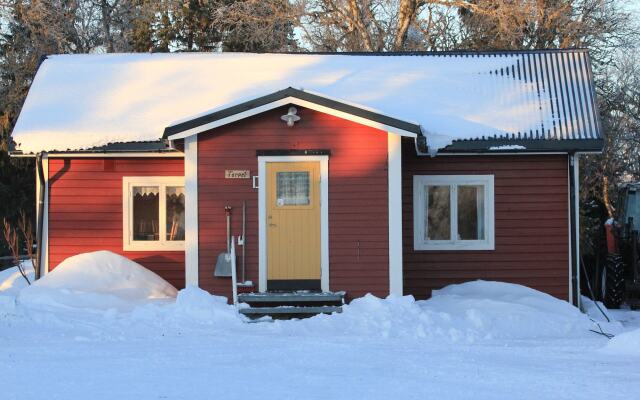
(523, 153)
(118, 155)
(356, 105)
(298, 102)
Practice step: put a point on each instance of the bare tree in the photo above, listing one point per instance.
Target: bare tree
(11, 237)
(383, 25)
(600, 25)
(26, 229)
(349, 25)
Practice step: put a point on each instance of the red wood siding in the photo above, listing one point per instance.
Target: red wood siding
(531, 224)
(85, 210)
(358, 198)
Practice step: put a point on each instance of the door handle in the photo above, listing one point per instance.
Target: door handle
(272, 225)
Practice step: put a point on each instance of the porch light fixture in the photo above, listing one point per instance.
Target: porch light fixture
(290, 117)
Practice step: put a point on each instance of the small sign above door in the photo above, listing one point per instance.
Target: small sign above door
(237, 174)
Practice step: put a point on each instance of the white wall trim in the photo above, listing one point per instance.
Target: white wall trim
(324, 216)
(45, 219)
(38, 191)
(295, 101)
(419, 212)
(191, 255)
(573, 161)
(128, 244)
(324, 223)
(394, 150)
(576, 175)
(570, 265)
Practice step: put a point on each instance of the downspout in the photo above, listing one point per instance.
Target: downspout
(574, 218)
(40, 222)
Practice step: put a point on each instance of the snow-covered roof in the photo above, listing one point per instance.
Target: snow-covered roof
(82, 101)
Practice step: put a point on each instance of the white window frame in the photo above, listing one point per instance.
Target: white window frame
(453, 181)
(128, 182)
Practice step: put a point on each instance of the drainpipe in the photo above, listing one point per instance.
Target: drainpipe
(574, 234)
(40, 222)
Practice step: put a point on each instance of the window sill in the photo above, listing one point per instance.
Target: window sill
(455, 246)
(142, 246)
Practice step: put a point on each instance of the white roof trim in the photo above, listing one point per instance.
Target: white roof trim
(298, 102)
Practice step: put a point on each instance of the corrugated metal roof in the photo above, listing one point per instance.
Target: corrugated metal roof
(558, 82)
(84, 101)
(563, 83)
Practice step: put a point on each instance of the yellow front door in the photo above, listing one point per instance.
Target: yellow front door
(293, 225)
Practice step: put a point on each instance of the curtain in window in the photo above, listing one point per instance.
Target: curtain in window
(175, 212)
(146, 216)
(292, 188)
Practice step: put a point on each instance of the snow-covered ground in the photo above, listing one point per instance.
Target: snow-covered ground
(70, 337)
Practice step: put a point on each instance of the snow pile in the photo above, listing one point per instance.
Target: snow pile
(192, 306)
(11, 283)
(372, 316)
(595, 311)
(82, 101)
(605, 320)
(506, 310)
(115, 289)
(624, 344)
(467, 312)
(95, 281)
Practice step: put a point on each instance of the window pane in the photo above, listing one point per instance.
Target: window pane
(471, 212)
(438, 213)
(146, 207)
(292, 188)
(175, 212)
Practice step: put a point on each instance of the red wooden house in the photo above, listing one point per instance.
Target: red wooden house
(380, 173)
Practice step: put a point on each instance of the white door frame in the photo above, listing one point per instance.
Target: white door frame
(324, 216)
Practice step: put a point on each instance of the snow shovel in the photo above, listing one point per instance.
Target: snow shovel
(223, 264)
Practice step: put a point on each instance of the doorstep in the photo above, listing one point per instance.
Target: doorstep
(296, 304)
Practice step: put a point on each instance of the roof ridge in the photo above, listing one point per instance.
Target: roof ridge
(347, 53)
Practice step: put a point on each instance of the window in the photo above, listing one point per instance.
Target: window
(292, 188)
(453, 212)
(153, 213)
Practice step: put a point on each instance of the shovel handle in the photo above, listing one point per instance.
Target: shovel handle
(227, 212)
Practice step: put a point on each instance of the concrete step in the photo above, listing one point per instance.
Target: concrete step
(302, 298)
(285, 305)
(288, 311)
